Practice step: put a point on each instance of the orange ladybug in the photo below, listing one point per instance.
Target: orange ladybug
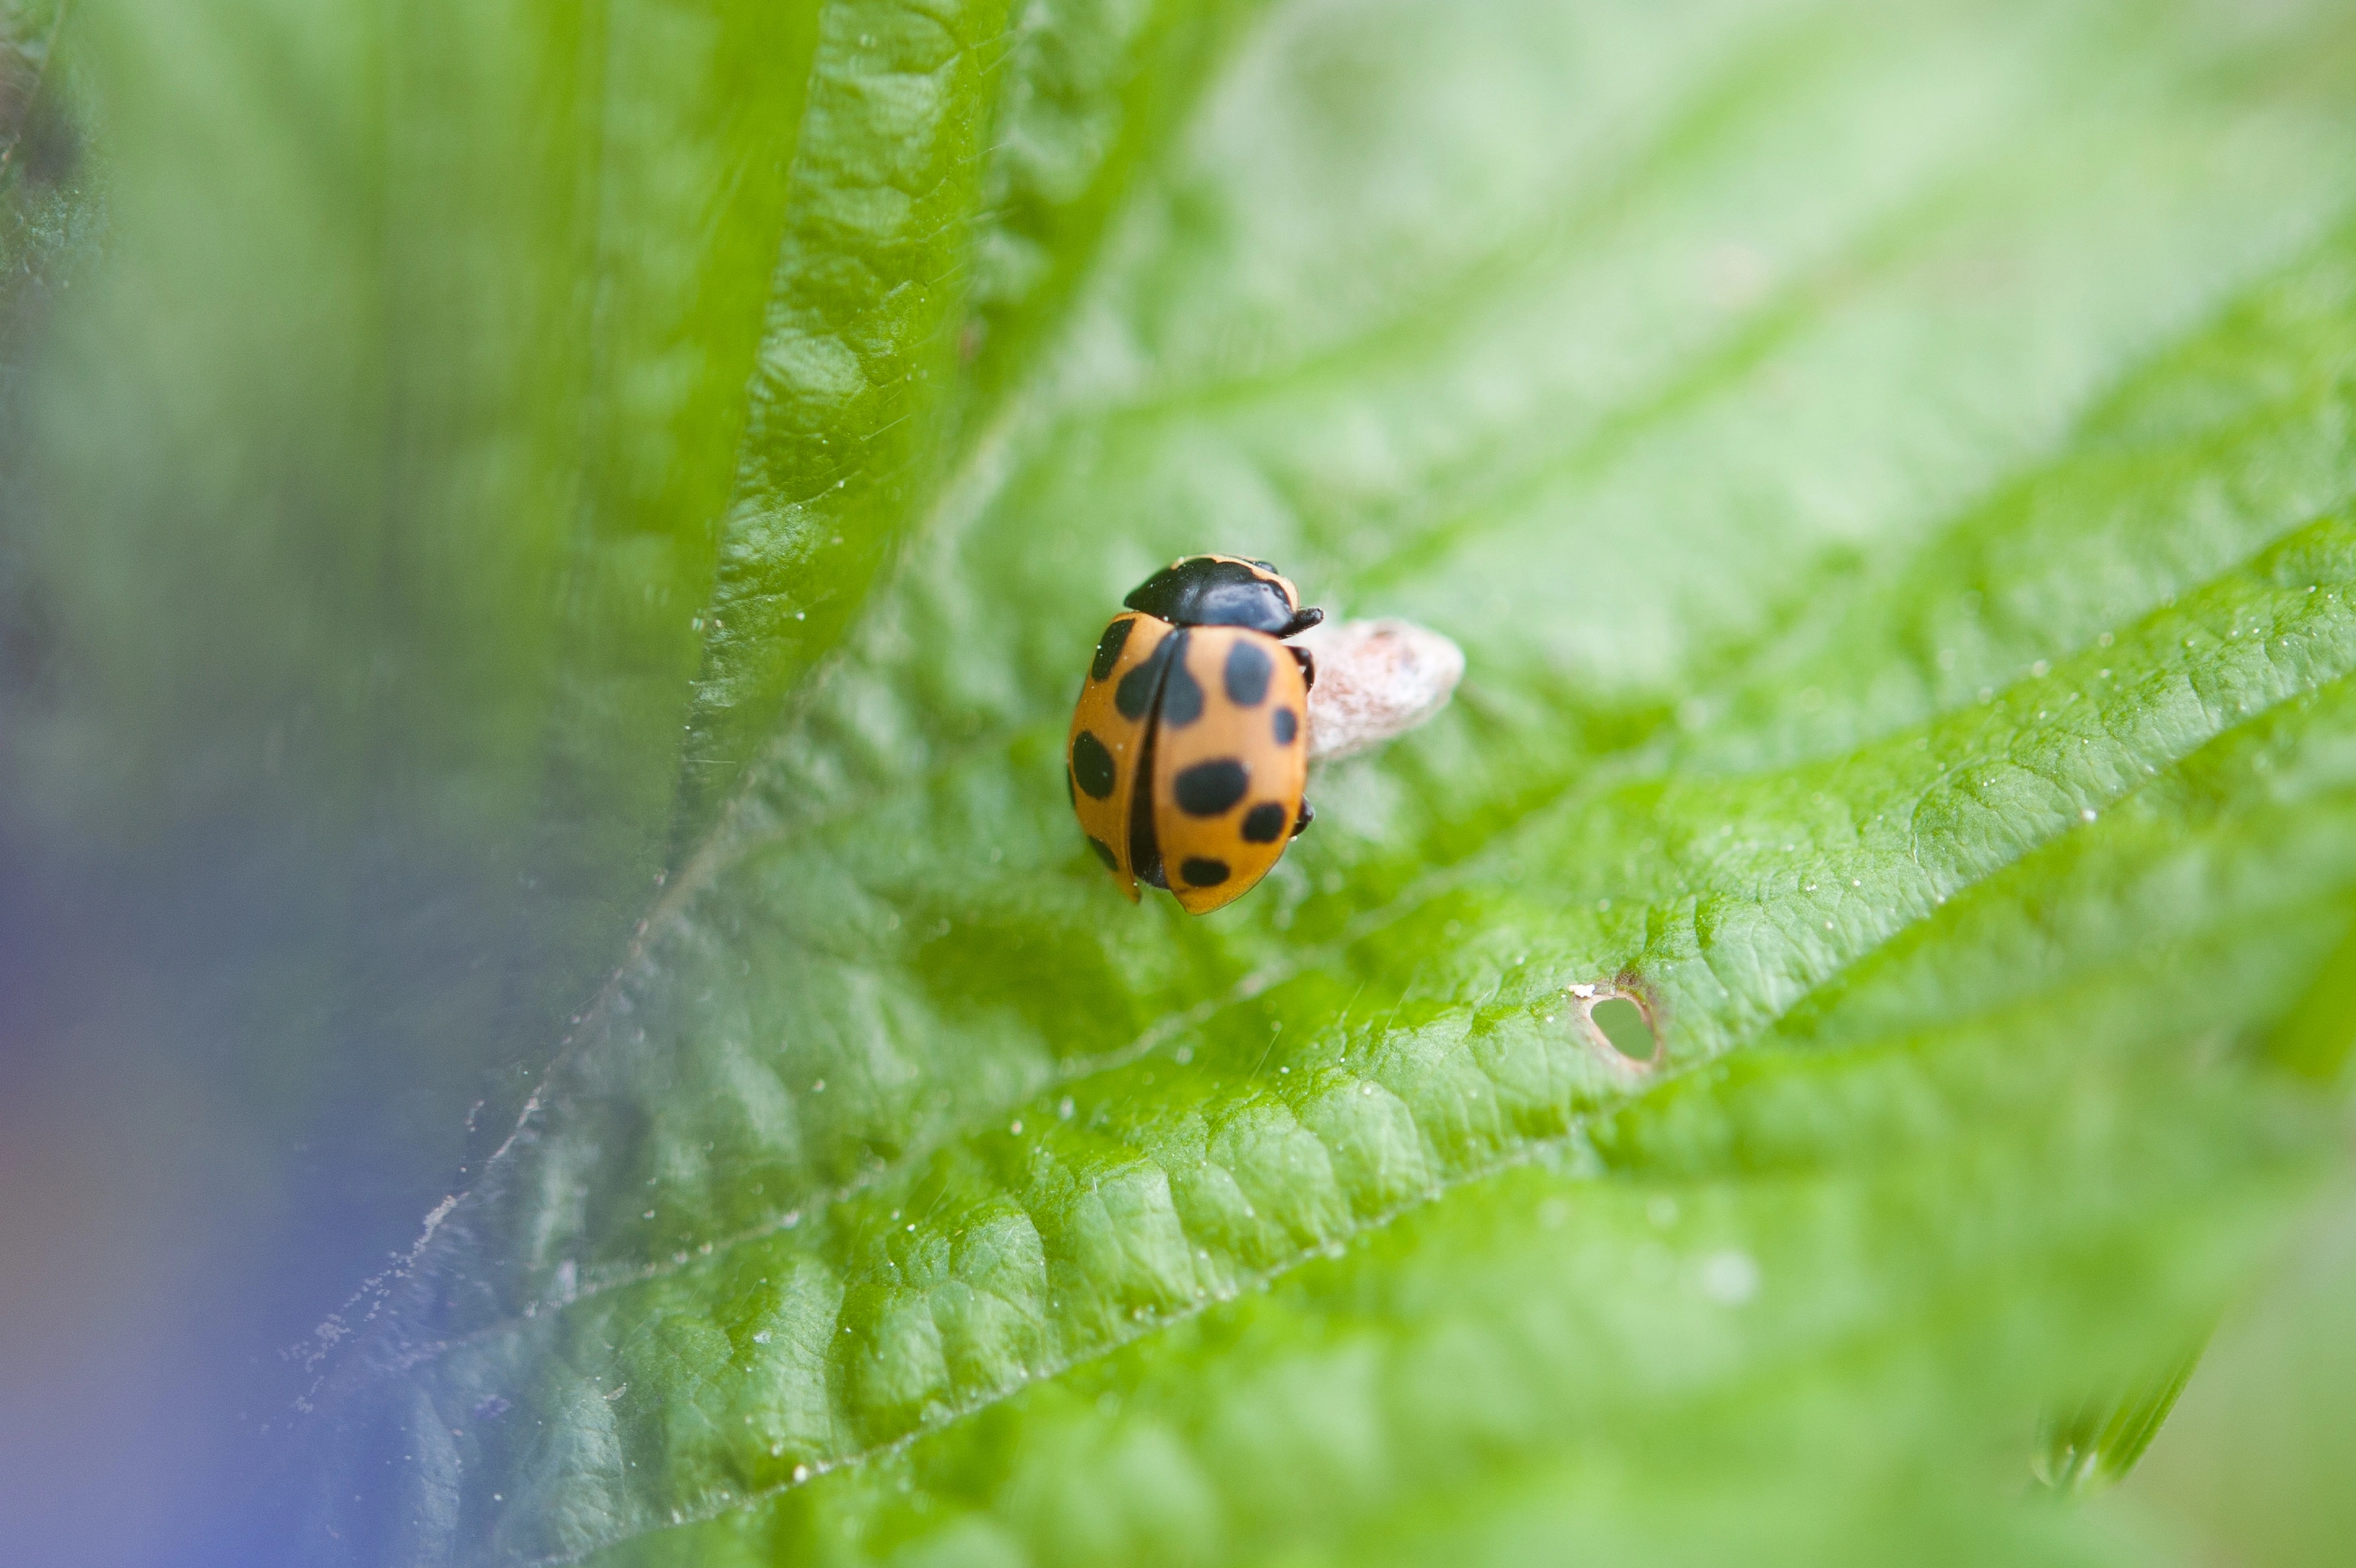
(1189, 747)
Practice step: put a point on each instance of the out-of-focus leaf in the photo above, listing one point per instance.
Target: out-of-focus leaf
(2252, 1468)
(2093, 1445)
(368, 518)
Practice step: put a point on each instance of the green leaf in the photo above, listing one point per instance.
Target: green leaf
(1889, 471)
(2249, 1468)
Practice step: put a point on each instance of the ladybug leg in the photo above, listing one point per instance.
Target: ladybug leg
(1308, 815)
(1307, 665)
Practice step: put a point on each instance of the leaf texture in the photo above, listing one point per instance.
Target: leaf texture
(1890, 469)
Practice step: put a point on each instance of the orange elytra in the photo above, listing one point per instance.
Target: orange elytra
(1189, 747)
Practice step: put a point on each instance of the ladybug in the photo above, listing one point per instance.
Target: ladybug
(1190, 744)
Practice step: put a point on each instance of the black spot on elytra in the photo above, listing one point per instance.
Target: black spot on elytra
(1182, 694)
(1104, 853)
(1285, 725)
(1198, 872)
(1092, 765)
(1135, 693)
(1109, 646)
(1308, 816)
(1246, 674)
(1208, 789)
(1264, 823)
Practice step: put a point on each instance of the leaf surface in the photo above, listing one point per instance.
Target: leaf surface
(1889, 471)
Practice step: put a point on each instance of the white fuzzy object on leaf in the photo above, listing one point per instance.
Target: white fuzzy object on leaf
(1375, 680)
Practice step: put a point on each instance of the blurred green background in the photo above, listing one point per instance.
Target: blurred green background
(551, 1008)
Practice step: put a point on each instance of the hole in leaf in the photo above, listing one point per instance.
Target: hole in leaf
(1623, 1023)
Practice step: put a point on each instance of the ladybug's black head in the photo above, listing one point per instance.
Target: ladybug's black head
(1224, 590)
